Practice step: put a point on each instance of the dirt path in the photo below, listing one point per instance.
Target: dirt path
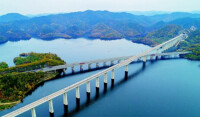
(2, 104)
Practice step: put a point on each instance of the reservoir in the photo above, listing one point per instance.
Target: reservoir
(160, 89)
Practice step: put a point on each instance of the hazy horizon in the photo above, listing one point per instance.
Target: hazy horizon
(150, 13)
(34, 7)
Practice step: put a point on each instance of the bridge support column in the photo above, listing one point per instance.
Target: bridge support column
(112, 63)
(73, 69)
(33, 113)
(64, 72)
(144, 61)
(81, 68)
(97, 65)
(65, 101)
(88, 91)
(89, 66)
(118, 61)
(112, 78)
(139, 59)
(105, 82)
(97, 87)
(77, 98)
(126, 72)
(104, 64)
(51, 108)
(157, 53)
(151, 58)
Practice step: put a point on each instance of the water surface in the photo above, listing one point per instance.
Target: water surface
(161, 89)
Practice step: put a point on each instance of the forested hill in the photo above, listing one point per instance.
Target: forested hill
(10, 17)
(161, 35)
(89, 24)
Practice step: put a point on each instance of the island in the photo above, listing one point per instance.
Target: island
(16, 83)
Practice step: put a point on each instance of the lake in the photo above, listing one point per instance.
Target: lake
(162, 88)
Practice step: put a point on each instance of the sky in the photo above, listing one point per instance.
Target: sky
(61, 6)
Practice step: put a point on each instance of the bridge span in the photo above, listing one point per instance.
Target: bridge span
(153, 51)
(110, 61)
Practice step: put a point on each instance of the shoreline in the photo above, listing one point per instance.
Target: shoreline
(8, 105)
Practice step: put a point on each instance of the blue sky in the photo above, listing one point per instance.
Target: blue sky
(57, 6)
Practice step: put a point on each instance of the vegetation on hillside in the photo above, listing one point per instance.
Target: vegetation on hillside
(195, 55)
(3, 65)
(96, 24)
(192, 43)
(160, 35)
(102, 31)
(32, 61)
(15, 86)
(164, 34)
(15, 83)
(26, 58)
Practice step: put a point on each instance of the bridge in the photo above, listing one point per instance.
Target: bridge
(151, 52)
(109, 61)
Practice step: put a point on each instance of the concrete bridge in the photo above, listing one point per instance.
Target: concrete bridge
(151, 52)
(110, 62)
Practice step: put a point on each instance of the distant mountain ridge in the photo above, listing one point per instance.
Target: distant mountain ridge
(91, 24)
(12, 17)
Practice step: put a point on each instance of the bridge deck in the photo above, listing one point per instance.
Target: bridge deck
(103, 60)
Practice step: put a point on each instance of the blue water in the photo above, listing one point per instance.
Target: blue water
(73, 50)
(168, 88)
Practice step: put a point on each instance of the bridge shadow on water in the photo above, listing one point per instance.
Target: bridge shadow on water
(106, 90)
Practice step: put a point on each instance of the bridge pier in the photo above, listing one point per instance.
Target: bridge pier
(65, 101)
(89, 66)
(105, 82)
(112, 63)
(77, 98)
(151, 58)
(97, 65)
(162, 57)
(112, 78)
(33, 113)
(81, 68)
(118, 61)
(177, 55)
(144, 61)
(88, 91)
(139, 59)
(51, 111)
(104, 64)
(126, 72)
(97, 87)
(73, 69)
(157, 53)
(64, 72)
(156, 57)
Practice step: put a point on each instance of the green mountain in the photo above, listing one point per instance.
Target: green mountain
(192, 43)
(12, 17)
(97, 24)
(160, 35)
(173, 16)
(163, 34)
(103, 31)
(78, 24)
(187, 22)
